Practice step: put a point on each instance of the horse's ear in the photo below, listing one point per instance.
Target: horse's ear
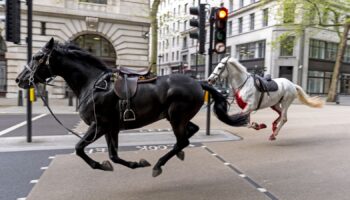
(49, 44)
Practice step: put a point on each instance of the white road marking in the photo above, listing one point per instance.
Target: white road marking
(51, 157)
(22, 198)
(226, 163)
(44, 168)
(262, 189)
(20, 125)
(34, 181)
(243, 175)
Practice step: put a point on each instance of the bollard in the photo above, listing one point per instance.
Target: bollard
(20, 98)
(337, 99)
(70, 98)
(76, 104)
(46, 97)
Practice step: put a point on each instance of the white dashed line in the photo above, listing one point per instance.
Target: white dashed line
(44, 168)
(262, 189)
(52, 157)
(34, 181)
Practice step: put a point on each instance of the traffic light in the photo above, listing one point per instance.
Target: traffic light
(13, 21)
(199, 33)
(221, 16)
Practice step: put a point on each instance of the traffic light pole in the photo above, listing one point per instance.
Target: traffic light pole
(29, 56)
(210, 62)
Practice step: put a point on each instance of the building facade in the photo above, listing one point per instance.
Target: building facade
(252, 31)
(114, 30)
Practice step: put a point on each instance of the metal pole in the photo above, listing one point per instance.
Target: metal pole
(210, 62)
(29, 55)
(197, 60)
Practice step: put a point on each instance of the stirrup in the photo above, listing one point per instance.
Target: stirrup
(129, 115)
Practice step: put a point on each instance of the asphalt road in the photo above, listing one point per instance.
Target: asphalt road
(19, 168)
(309, 160)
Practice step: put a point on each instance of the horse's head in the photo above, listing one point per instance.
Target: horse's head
(38, 69)
(220, 71)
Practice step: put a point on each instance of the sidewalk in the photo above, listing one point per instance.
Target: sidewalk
(59, 106)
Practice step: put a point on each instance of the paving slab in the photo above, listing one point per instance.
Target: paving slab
(200, 176)
(10, 144)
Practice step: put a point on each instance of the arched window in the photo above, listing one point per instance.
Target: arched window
(98, 46)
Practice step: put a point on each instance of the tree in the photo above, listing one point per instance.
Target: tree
(154, 35)
(332, 14)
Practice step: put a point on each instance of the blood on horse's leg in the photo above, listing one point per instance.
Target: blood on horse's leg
(276, 108)
(253, 125)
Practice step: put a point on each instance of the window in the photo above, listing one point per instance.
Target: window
(318, 82)
(94, 1)
(42, 28)
(184, 43)
(265, 17)
(325, 50)
(185, 8)
(288, 12)
(249, 51)
(185, 25)
(230, 28)
(241, 3)
(287, 46)
(240, 25)
(252, 21)
(230, 6)
(97, 46)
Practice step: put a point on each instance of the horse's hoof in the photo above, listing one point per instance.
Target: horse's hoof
(262, 126)
(144, 163)
(156, 172)
(106, 166)
(272, 138)
(254, 125)
(181, 155)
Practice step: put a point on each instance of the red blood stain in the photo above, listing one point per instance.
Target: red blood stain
(239, 100)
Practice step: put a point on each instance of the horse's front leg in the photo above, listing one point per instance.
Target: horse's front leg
(92, 134)
(112, 143)
(247, 110)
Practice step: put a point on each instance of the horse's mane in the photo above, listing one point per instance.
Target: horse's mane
(71, 49)
(238, 64)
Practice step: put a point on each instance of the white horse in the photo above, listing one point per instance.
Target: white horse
(249, 98)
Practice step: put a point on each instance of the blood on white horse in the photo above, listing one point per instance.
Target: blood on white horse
(248, 97)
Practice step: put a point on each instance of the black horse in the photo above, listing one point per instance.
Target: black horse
(176, 97)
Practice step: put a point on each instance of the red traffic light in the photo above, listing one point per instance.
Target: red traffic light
(222, 13)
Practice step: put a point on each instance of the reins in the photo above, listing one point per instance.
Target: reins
(54, 116)
(32, 82)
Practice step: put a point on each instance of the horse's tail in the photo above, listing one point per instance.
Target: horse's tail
(221, 108)
(314, 102)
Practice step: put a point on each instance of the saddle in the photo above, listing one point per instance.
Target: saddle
(125, 87)
(264, 85)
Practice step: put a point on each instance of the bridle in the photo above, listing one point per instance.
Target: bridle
(228, 71)
(224, 68)
(45, 59)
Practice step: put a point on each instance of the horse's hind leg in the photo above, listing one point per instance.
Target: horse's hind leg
(283, 118)
(112, 143)
(90, 136)
(191, 129)
(182, 142)
(278, 109)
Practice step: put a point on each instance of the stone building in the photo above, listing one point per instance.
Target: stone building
(114, 30)
(252, 28)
